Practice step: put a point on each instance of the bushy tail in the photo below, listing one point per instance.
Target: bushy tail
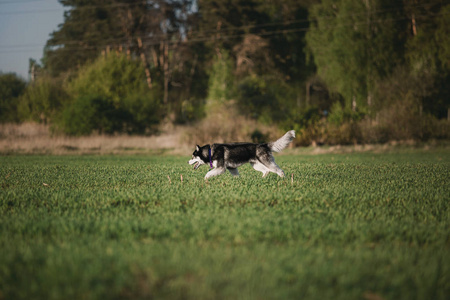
(283, 141)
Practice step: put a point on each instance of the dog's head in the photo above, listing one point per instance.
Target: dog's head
(199, 157)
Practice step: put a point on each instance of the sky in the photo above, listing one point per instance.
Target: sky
(25, 27)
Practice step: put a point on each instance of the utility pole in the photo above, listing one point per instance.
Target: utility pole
(33, 72)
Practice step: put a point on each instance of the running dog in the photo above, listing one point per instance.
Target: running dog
(222, 157)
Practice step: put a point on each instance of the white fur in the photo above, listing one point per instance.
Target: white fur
(282, 142)
(261, 168)
(215, 172)
(261, 164)
(198, 160)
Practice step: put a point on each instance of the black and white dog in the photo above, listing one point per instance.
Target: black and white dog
(231, 156)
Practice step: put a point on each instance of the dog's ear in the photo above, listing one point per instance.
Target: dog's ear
(197, 148)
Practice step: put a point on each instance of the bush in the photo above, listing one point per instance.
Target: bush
(137, 114)
(220, 86)
(346, 133)
(254, 99)
(11, 87)
(42, 100)
(307, 122)
(217, 128)
(89, 113)
(111, 95)
(403, 120)
(144, 109)
(266, 99)
(340, 114)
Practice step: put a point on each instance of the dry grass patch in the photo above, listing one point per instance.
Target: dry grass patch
(36, 138)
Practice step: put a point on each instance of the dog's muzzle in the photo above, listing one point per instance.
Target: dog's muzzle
(195, 163)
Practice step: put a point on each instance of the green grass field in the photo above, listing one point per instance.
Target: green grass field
(345, 226)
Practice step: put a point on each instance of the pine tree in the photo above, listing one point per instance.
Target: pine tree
(354, 44)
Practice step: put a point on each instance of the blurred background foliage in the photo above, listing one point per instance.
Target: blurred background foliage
(339, 72)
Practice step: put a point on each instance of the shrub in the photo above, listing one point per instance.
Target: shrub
(266, 99)
(42, 100)
(11, 87)
(111, 95)
(403, 120)
(89, 113)
(253, 98)
(220, 86)
(307, 122)
(340, 114)
(144, 109)
(217, 128)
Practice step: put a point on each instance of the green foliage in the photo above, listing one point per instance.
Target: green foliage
(380, 59)
(89, 113)
(308, 123)
(254, 98)
(221, 80)
(340, 114)
(353, 45)
(308, 116)
(191, 110)
(90, 27)
(114, 77)
(442, 37)
(111, 95)
(348, 226)
(145, 110)
(281, 53)
(42, 100)
(428, 56)
(430, 51)
(258, 137)
(265, 98)
(11, 87)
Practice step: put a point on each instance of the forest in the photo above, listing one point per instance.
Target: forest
(338, 72)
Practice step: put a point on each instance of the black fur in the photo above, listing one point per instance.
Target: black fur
(231, 156)
(234, 155)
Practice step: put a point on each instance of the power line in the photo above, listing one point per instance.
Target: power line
(254, 26)
(30, 11)
(83, 7)
(20, 46)
(212, 37)
(19, 1)
(119, 42)
(118, 5)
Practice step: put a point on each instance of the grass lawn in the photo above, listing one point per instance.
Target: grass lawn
(339, 226)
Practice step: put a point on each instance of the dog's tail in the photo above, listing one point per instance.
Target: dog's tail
(282, 142)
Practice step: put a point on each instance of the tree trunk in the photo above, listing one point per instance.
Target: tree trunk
(413, 25)
(144, 62)
(155, 57)
(164, 62)
(308, 92)
(191, 76)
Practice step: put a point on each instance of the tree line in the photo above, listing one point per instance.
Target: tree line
(336, 71)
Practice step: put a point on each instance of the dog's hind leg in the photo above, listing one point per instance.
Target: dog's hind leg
(269, 163)
(234, 171)
(260, 167)
(215, 172)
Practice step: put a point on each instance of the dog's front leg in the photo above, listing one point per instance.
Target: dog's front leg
(234, 172)
(215, 172)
